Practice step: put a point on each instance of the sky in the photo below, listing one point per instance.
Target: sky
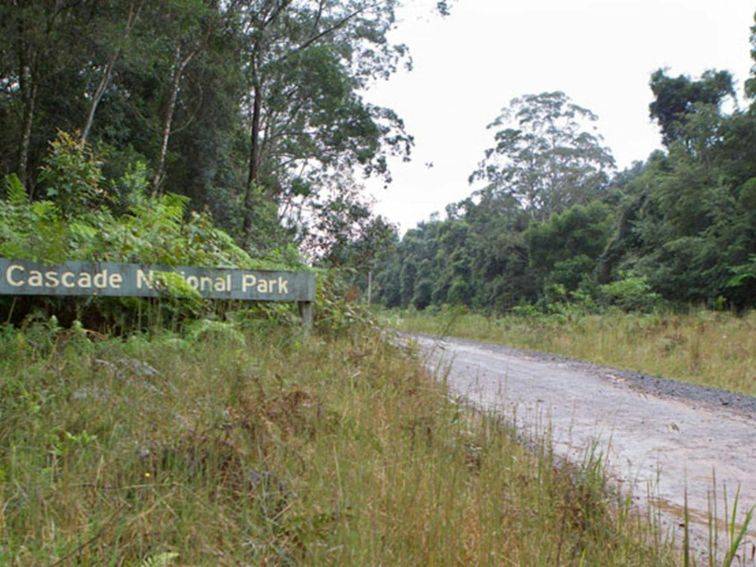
(601, 53)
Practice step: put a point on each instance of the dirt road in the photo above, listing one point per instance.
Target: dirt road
(659, 442)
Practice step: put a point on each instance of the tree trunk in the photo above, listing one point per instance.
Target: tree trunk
(98, 94)
(134, 10)
(29, 94)
(254, 161)
(179, 65)
(27, 58)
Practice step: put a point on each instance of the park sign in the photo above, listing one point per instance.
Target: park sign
(108, 279)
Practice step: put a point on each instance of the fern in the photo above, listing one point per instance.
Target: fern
(17, 195)
(743, 273)
(220, 331)
(161, 559)
(74, 223)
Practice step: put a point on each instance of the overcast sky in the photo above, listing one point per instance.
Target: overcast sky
(601, 53)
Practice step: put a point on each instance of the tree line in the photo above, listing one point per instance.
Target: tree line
(553, 223)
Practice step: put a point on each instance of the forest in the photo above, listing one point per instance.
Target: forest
(251, 110)
(250, 115)
(553, 223)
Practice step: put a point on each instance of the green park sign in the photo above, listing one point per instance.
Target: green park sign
(107, 279)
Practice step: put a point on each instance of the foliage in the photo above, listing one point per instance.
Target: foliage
(676, 98)
(546, 155)
(565, 249)
(219, 332)
(154, 230)
(750, 83)
(493, 256)
(632, 293)
(71, 176)
(247, 108)
(690, 220)
(337, 311)
(551, 229)
(744, 278)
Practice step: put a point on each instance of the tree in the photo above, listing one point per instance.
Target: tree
(306, 62)
(39, 42)
(547, 155)
(188, 27)
(113, 42)
(677, 98)
(687, 224)
(751, 82)
(565, 249)
(252, 108)
(550, 225)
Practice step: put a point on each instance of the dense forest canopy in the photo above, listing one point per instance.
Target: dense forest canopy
(552, 223)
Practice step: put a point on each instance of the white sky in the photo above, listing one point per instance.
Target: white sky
(601, 53)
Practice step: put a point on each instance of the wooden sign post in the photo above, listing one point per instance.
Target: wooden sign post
(107, 279)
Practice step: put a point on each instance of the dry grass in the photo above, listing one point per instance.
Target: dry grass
(704, 347)
(277, 451)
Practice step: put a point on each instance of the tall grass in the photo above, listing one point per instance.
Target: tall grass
(218, 448)
(702, 347)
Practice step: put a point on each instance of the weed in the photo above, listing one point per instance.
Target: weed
(187, 449)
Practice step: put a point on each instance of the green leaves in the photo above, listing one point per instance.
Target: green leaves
(676, 98)
(16, 191)
(75, 224)
(72, 176)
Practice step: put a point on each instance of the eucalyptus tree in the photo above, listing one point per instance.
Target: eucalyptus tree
(548, 155)
(114, 21)
(185, 31)
(253, 108)
(751, 82)
(306, 61)
(40, 41)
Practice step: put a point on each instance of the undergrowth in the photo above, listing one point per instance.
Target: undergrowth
(84, 218)
(229, 446)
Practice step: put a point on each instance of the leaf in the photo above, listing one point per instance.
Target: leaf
(17, 194)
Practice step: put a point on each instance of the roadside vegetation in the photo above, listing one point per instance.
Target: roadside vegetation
(175, 431)
(702, 347)
(225, 445)
(651, 268)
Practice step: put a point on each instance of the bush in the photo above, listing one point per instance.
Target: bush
(75, 222)
(631, 293)
(72, 175)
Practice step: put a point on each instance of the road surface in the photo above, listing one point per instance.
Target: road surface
(660, 444)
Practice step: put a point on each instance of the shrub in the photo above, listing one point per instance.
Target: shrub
(72, 175)
(630, 293)
(75, 222)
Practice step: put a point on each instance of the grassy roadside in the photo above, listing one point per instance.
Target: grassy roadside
(217, 448)
(703, 347)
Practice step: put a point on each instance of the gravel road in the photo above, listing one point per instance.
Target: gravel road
(658, 436)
